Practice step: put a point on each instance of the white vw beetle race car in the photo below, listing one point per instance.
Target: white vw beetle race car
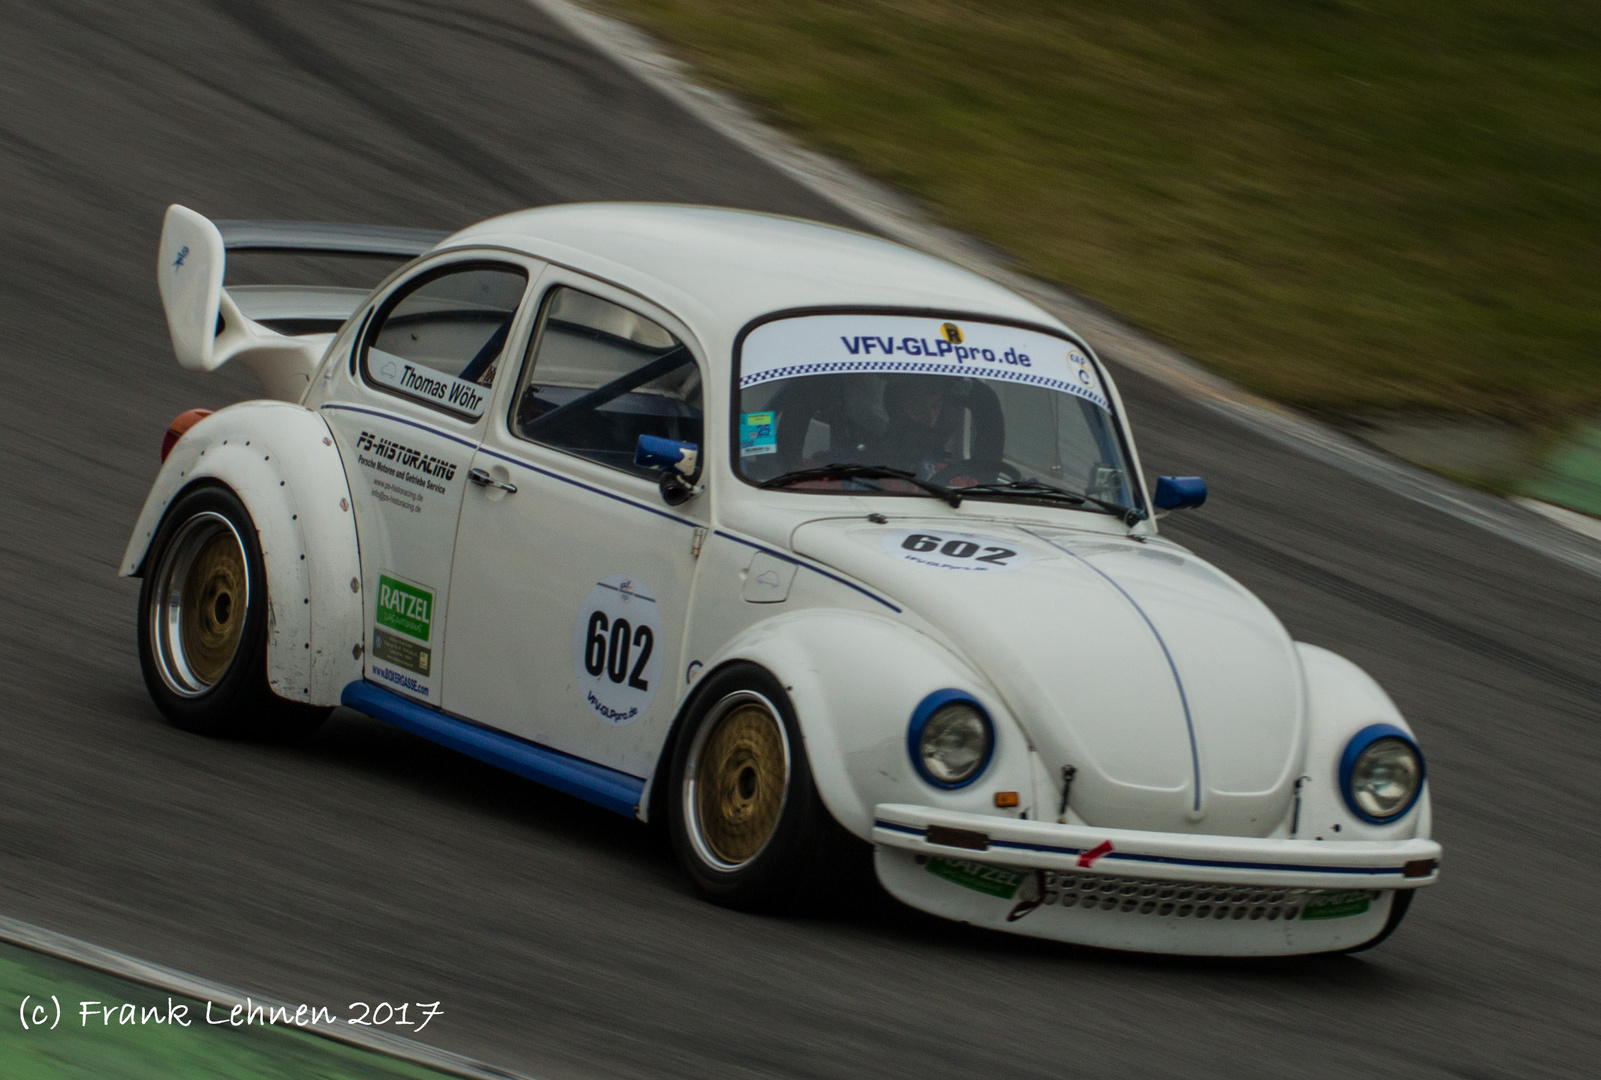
(774, 530)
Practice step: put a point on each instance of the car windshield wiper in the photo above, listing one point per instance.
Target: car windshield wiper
(1039, 489)
(846, 471)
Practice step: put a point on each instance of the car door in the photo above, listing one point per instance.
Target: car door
(570, 593)
(423, 371)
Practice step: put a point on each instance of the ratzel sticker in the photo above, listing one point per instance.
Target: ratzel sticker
(617, 649)
(1336, 905)
(955, 551)
(403, 624)
(404, 607)
(998, 881)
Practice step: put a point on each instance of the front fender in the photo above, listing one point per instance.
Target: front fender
(854, 679)
(282, 462)
(1342, 699)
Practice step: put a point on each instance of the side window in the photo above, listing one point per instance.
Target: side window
(440, 337)
(599, 376)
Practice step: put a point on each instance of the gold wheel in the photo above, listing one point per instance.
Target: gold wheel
(212, 611)
(203, 591)
(737, 780)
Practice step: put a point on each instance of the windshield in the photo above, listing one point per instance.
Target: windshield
(956, 402)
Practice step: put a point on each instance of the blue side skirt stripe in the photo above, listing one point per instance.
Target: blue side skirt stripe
(1166, 860)
(616, 791)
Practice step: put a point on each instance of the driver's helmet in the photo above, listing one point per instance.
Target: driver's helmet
(923, 425)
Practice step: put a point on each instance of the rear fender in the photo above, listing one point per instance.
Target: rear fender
(282, 463)
(854, 679)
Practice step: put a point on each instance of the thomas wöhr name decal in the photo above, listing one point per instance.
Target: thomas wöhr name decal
(422, 381)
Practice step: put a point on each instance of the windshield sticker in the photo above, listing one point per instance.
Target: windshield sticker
(617, 649)
(426, 382)
(966, 552)
(758, 434)
(834, 344)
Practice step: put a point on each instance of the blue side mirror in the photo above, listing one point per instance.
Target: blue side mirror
(1179, 492)
(675, 459)
(670, 455)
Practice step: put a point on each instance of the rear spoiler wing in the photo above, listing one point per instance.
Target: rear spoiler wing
(326, 238)
(207, 326)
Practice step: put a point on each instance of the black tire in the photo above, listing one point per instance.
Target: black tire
(719, 800)
(1398, 909)
(203, 624)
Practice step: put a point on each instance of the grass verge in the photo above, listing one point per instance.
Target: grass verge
(1345, 206)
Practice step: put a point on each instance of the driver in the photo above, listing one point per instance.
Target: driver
(923, 424)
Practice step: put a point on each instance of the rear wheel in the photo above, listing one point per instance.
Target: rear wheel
(747, 822)
(202, 624)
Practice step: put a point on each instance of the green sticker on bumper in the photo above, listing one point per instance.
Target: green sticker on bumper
(1336, 905)
(980, 877)
(405, 608)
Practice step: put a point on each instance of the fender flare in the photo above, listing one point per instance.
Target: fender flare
(282, 463)
(1342, 699)
(854, 679)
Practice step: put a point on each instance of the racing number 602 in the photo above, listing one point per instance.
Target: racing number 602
(957, 549)
(610, 645)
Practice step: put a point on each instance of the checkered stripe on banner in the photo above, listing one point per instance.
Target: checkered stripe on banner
(912, 367)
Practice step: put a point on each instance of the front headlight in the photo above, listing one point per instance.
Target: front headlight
(1381, 773)
(950, 739)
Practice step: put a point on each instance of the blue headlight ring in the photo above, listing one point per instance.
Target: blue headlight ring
(1353, 750)
(920, 716)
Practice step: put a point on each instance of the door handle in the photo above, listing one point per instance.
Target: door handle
(482, 478)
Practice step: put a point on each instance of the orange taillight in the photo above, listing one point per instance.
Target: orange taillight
(175, 430)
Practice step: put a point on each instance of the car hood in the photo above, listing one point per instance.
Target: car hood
(1174, 693)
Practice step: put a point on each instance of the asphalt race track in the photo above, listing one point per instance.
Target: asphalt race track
(369, 865)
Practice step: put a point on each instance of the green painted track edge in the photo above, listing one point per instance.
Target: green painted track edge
(170, 980)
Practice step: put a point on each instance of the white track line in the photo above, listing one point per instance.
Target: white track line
(1583, 523)
(893, 214)
(173, 981)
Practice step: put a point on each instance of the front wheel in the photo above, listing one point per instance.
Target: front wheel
(746, 820)
(1399, 903)
(203, 624)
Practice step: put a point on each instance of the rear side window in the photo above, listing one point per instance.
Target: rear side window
(599, 376)
(440, 337)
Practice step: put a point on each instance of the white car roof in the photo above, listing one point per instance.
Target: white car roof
(722, 268)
